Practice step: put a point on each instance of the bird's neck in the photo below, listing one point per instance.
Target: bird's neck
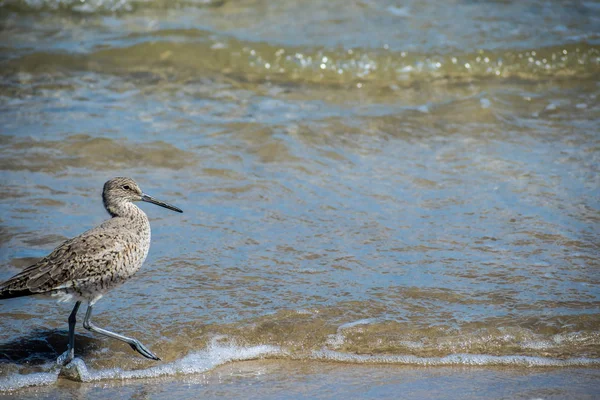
(124, 209)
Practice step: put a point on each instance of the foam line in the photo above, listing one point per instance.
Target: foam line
(455, 359)
(217, 354)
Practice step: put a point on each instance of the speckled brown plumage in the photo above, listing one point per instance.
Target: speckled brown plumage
(90, 264)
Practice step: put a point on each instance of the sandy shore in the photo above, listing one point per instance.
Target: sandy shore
(276, 379)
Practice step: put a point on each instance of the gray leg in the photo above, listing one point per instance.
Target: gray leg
(135, 344)
(68, 355)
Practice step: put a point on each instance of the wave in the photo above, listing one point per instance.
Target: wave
(187, 55)
(217, 354)
(213, 356)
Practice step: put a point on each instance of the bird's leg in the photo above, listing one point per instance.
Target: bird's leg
(134, 343)
(68, 355)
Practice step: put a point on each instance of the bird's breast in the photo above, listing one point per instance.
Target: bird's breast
(137, 249)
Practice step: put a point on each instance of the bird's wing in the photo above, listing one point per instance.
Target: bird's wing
(88, 255)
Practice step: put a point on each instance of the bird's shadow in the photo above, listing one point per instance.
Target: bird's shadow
(44, 345)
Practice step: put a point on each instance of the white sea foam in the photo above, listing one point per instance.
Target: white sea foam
(337, 340)
(193, 363)
(365, 321)
(454, 359)
(18, 381)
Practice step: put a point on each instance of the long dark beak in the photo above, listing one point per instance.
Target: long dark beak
(152, 200)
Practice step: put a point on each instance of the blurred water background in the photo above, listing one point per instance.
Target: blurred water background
(399, 183)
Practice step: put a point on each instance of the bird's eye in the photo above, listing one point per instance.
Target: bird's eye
(126, 187)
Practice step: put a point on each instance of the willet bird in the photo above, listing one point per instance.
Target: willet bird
(87, 266)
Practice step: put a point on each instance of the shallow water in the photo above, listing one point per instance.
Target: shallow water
(414, 184)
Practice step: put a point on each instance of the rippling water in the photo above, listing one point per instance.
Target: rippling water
(367, 183)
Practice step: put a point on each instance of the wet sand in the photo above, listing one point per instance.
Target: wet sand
(278, 379)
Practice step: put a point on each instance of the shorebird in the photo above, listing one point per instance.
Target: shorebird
(86, 267)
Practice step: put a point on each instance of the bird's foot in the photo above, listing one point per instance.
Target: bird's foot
(143, 350)
(66, 357)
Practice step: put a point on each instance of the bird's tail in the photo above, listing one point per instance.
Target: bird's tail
(15, 286)
(10, 294)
